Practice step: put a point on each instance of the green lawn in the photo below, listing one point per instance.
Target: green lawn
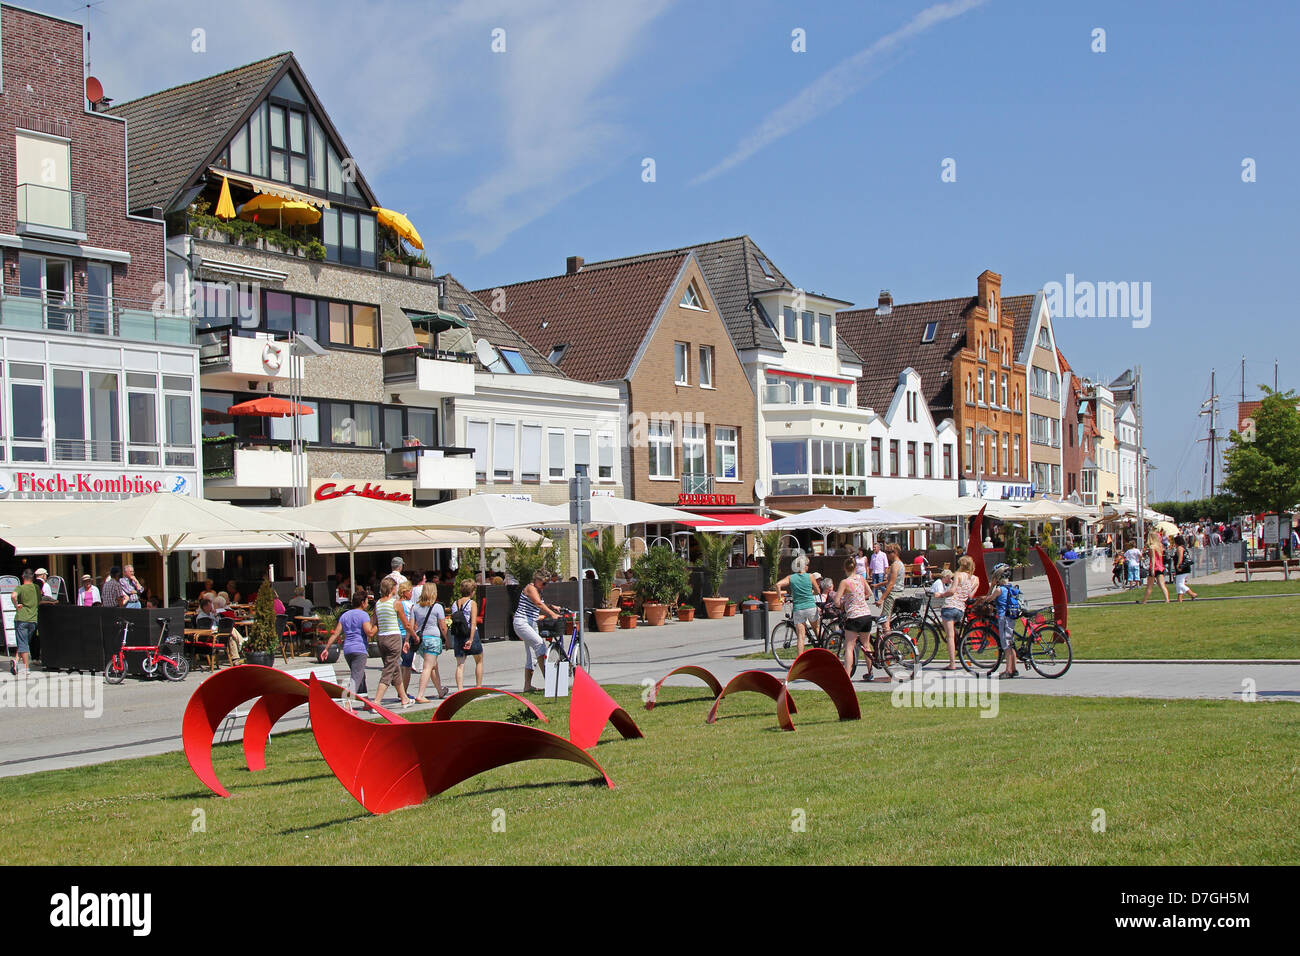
(1180, 782)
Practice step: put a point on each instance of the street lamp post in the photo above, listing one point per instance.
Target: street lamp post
(301, 347)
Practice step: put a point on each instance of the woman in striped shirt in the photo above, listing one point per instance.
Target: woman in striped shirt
(392, 624)
(530, 607)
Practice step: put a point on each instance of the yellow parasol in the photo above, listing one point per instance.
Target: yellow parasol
(399, 224)
(268, 210)
(225, 208)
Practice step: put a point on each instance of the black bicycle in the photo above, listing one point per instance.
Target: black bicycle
(921, 623)
(893, 651)
(1042, 643)
(826, 632)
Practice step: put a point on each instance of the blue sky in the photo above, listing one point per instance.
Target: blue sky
(1117, 166)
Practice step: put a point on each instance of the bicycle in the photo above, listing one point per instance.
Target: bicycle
(826, 632)
(894, 652)
(551, 630)
(922, 624)
(173, 668)
(1044, 644)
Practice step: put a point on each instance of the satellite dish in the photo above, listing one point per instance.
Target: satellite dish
(94, 89)
(486, 352)
(760, 489)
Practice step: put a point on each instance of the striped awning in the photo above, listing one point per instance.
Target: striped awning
(270, 188)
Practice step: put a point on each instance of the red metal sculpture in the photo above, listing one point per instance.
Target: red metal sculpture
(826, 671)
(693, 670)
(456, 701)
(225, 690)
(760, 682)
(1060, 601)
(975, 548)
(389, 766)
(590, 709)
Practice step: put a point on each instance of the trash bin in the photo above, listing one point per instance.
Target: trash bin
(754, 617)
(1076, 581)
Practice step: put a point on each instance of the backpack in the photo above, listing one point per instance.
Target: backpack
(1008, 601)
(459, 625)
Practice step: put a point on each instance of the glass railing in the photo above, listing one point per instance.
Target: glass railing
(402, 365)
(405, 462)
(120, 318)
(50, 208)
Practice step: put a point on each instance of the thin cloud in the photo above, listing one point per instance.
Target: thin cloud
(834, 86)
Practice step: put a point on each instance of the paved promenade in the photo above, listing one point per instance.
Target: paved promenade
(139, 717)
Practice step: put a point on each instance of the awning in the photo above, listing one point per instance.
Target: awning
(727, 521)
(434, 321)
(270, 188)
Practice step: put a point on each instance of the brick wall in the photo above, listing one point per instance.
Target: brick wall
(45, 54)
(729, 403)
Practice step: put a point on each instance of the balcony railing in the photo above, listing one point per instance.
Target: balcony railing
(77, 449)
(784, 394)
(95, 315)
(405, 462)
(697, 484)
(402, 365)
(60, 213)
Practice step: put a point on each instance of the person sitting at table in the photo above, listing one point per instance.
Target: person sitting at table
(205, 617)
(279, 605)
(232, 593)
(88, 594)
(343, 593)
(299, 606)
(236, 640)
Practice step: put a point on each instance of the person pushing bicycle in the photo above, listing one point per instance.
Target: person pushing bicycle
(1004, 598)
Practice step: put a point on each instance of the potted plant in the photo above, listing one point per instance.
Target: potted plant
(422, 268)
(626, 618)
(771, 544)
(605, 556)
(662, 576)
(715, 549)
(393, 263)
(259, 646)
(729, 610)
(685, 612)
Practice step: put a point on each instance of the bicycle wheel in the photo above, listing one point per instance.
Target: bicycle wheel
(115, 672)
(833, 638)
(979, 652)
(555, 653)
(927, 637)
(1050, 653)
(177, 671)
(785, 643)
(898, 656)
(584, 657)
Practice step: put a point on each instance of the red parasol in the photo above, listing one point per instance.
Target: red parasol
(271, 407)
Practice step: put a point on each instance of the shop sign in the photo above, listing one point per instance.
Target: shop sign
(400, 491)
(25, 483)
(705, 501)
(1018, 492)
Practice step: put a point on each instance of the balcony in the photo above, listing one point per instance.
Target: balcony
(432, 469)
(50, 213)
(231, 465)
(419, 376)
(697, 484)
(231, 361)
(95, 315)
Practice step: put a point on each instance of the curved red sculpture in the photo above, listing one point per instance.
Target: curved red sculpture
(693, 670)
(389, 766)
(761, 682)
(590, 709)
(824, 669)
(225, 690)
(975, 548)
(1060, 601)
(447, 709)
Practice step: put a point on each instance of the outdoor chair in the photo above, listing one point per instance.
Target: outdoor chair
(287, 634)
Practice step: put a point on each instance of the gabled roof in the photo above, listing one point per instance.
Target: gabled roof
(486, 325)
(891, 342)
(735, 276)
(602, 315)
(1019, 308)
(173, 135)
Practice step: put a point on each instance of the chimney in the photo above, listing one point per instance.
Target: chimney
(573, 265)
(885, 304)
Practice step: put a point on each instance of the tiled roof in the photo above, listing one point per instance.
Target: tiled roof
(601, 315)
(890, 343)
(171, 132)
(1017, 308)
(735, 277)
(486, 325)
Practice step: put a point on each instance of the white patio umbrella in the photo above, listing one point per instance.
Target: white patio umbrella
(888, 518)
(484, 513)
(1046, 509)
(624, 511)
(162, 520)
(823, 520)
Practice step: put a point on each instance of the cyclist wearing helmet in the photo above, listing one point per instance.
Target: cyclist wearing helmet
(1005, 599)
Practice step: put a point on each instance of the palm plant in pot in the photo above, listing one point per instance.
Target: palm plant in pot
(771, 544)
(714, 549)
(259, 646)
(661, 575)
(605, 556)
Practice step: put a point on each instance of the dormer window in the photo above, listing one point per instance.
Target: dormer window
(691, 300)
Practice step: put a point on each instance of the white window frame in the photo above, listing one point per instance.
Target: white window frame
(659, 436)
(527, 430)
(691, 299)
(682, 356)
(706, 364)
(605, 442)
(551, 435)
(582, 450)
(498, 430)
(721, 444)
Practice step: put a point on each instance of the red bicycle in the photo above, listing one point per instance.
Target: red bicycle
(172, 667)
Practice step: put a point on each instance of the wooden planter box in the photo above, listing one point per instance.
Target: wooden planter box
(729, 611)
(686, 614)
(397, 268)
(627, 621)
(422, 272)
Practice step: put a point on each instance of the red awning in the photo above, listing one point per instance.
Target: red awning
(732, 520)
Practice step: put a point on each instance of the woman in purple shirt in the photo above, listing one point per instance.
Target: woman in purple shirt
(356, 630)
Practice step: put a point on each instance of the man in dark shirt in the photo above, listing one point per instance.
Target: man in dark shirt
(111, 594)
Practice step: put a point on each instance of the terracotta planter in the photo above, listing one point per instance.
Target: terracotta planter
(627, 621)
(686, 614)
(773, 599)
(606, 619)
(729, 610)
(714, 607)
(655, 614)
